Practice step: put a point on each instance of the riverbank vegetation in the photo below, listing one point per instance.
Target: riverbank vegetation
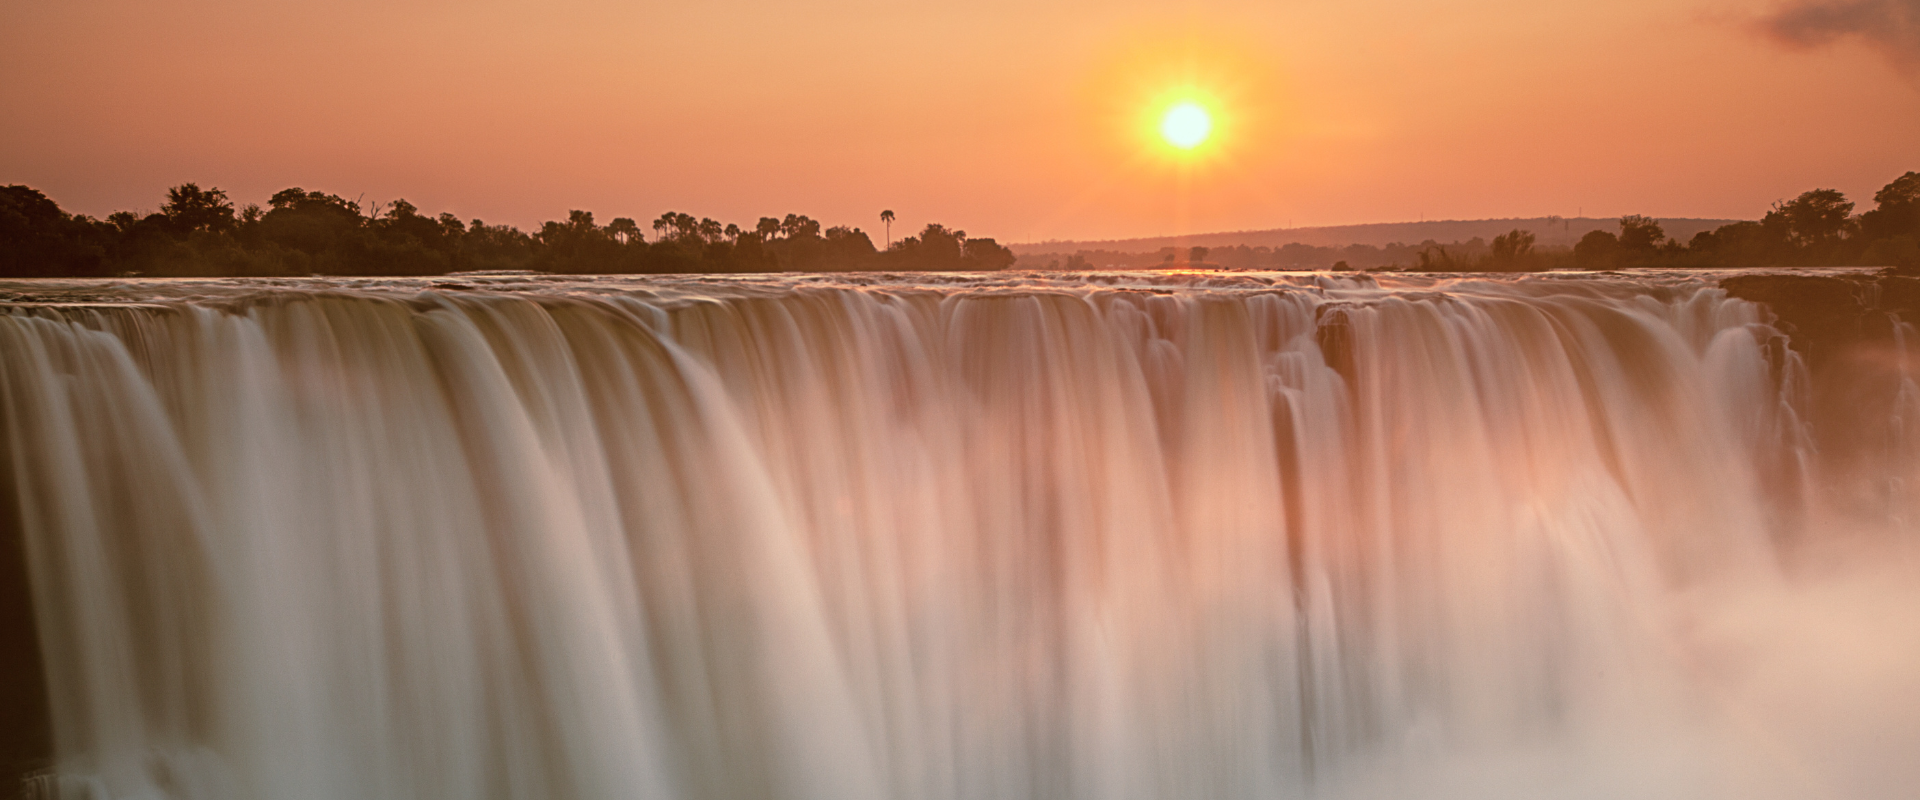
(1817, 228)
(200, 232)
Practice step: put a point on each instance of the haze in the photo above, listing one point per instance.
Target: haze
(1019, 120)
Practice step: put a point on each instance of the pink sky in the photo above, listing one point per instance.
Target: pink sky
(1017, 119)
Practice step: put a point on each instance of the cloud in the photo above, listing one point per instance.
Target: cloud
(1890, 26)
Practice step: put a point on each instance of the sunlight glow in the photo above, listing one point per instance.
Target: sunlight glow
(1186, 125)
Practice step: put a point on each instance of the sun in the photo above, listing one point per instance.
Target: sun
(1186, 125)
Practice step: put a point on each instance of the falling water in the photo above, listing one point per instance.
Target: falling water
(1144, 536)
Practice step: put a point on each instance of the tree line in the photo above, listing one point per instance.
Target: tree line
(200, 232)
(1818, 228)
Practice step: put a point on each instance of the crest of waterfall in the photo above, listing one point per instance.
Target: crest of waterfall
(830, 541)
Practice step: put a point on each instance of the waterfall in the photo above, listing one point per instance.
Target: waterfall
(823, 539)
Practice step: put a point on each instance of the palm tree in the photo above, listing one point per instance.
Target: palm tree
(886, 218)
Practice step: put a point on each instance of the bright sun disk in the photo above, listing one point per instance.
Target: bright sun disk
(1186, 125)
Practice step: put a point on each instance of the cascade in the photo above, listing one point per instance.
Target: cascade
(952, 538)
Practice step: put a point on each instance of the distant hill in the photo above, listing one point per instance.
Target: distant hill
(1550, 231)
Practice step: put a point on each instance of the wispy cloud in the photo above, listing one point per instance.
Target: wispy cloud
(1891, 26)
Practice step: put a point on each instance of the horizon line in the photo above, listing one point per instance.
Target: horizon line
(1283, 229)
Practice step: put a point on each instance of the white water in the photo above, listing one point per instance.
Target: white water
(1121, 537)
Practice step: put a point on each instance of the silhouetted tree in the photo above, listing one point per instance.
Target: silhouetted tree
(936, 248)
(1892, 229)
(624, 229)
(37, 238)
(1597, 250)
(799, 226)
(1816, 220)
(399, 240)
(191, 209)
(848, 248)
(986, 255)
(750, 253)
(495, 247)
(310, 222)
(1511, 251)
(580, 246)
(1640, 237)
(1897, 211)
(886, 218)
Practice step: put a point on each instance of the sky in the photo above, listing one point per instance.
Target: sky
(1022, 120)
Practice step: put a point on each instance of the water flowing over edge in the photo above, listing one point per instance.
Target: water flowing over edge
(992, 537)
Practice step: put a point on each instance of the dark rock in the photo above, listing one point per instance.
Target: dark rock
(1848, 329)
(1821, 314)
(1335, 336)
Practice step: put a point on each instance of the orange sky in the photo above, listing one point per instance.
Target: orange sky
(1018, 119)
